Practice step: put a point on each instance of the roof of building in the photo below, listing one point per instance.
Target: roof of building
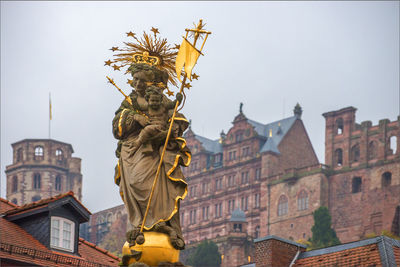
(238, 216)
(43, 140)
(378, 251)
(209, 145)
(41, 203)
(18, 245)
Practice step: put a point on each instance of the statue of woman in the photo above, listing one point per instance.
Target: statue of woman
(136, 169)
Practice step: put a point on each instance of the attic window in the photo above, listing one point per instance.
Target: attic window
(62, 234)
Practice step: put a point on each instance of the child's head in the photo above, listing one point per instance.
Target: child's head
(153, 97)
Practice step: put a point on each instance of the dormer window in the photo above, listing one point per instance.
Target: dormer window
(62, 234)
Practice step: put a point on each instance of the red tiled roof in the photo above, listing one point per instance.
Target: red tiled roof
(18, 245)
(42, 203)
(6, 205)
(396, 252)
(360, 256)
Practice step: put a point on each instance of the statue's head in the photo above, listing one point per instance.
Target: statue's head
(144, 73)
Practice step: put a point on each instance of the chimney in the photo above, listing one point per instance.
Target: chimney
(273, 251)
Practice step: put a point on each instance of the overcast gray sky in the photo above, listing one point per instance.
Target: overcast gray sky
(268, 55)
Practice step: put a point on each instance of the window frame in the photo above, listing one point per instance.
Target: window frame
(60, 246)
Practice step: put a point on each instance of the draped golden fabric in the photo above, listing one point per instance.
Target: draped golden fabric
(187, 56)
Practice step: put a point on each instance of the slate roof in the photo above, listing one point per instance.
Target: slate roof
(18, 245)
(213, 146)
(238, 216)
(378, 251)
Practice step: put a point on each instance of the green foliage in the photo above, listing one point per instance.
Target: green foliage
(322, 233)
(205, 255)
(384, 232)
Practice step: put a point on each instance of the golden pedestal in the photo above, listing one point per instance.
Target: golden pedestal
(156, 248)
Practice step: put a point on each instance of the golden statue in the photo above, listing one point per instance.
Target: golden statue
(151, 149)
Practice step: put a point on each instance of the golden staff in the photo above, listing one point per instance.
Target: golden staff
(197, 32)
(113, 83)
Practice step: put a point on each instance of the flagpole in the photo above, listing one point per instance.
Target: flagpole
(183, 84)
(49, 115)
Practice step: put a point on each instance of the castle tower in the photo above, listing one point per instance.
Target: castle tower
(42, 168)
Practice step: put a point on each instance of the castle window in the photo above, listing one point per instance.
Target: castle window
(205, 213)
(218, 184)
(204, 188)
(62, 234)
(245, 151)
(14, 200)
(257, 200)
(239, 137)
(386, 179)
(231, 180)
(244, 203)
(393, 145)
(231, 205)
(245, 177)
(302, 201)
(59, 154)
(19, 155)
(193, 216)
(232, 155)
(218, 210)
(37, 183)
(182, 218)
(338, 157)
(339, 126)
(237, 227)
(355, 153)
(58, 183)
(38, 153)
(36, 198)
(282, 205)
(258, 174)
(356, 185)
(14, 187)
(372, 150)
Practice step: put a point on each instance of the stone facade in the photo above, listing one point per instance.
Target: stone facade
(42, 168)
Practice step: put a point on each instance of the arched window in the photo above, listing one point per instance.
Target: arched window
(355, 153)
(14, 186)
(356, 185)
(302, 201)
(38, 153)
(19, 154)
(59, 154)
(393, 145)
(339, 126)
(386, 179)
(372, 150)
(338, 157)
(282, 205)
(37, 183)
(36, 198)
(58, 183)
(14, 200)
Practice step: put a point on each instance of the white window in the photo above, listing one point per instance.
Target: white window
(62, 234)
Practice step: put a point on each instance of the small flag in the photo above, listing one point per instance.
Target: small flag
(187, 55)
(50, 116)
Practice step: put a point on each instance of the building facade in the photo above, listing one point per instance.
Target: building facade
(42, 168)
(271, 173)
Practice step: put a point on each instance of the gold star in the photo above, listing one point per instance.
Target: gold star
(114, 48)
(130, 34)
(177, 46)
(187, 85)
(195, 76)
(155, 30)
(169, 93)
(108, 62)
(129, 81)
(116, 67)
